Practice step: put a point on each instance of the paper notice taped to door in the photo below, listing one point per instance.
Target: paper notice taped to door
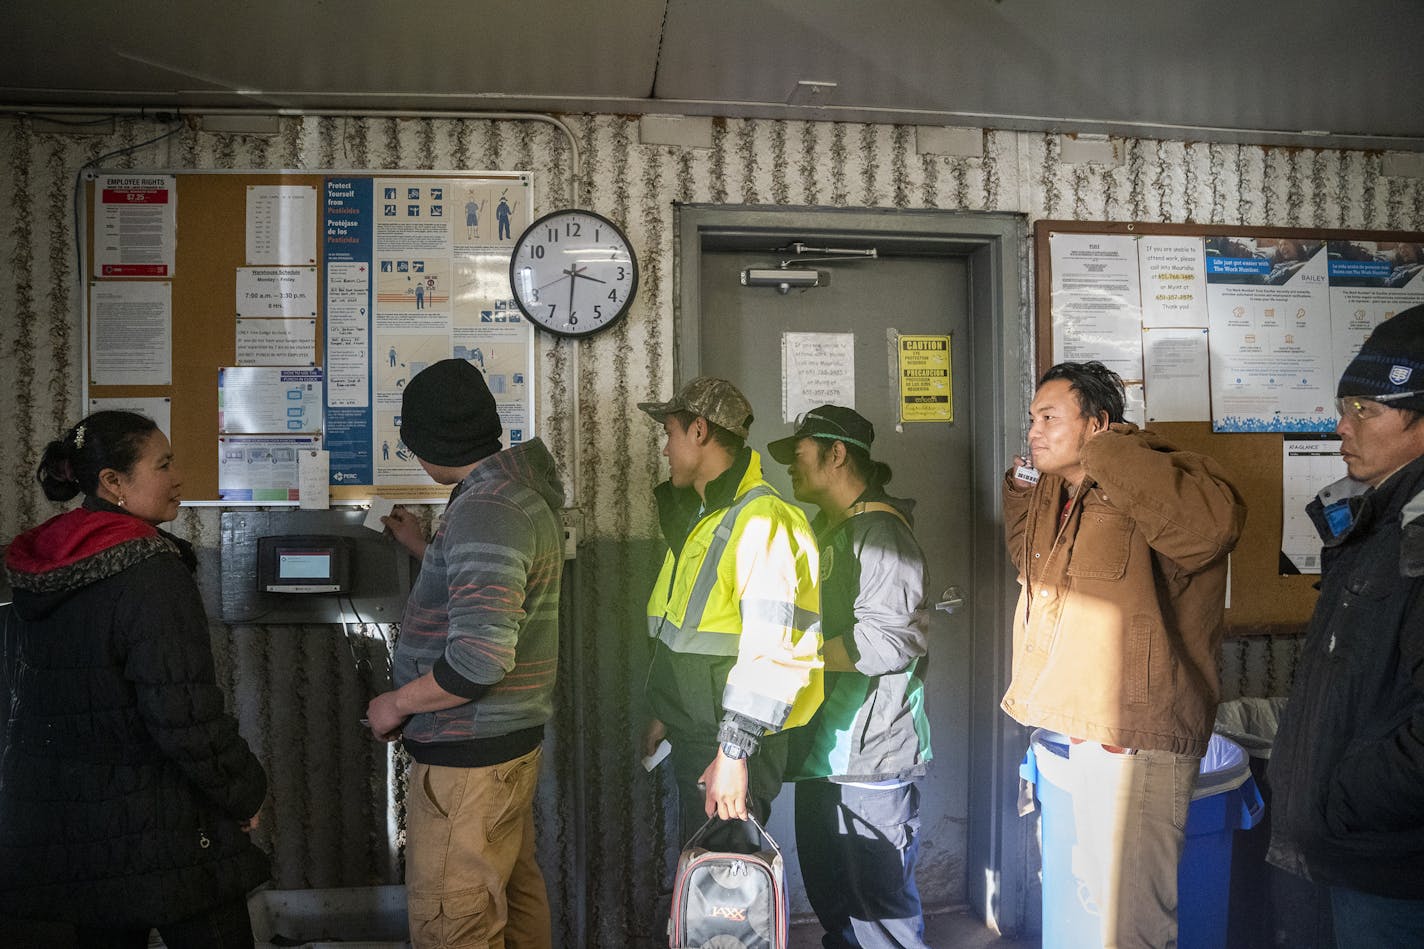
(926, 379)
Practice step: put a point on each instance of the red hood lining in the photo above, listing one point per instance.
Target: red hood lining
(72, 537)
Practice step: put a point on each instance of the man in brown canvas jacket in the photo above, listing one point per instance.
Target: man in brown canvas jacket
(1121, 549)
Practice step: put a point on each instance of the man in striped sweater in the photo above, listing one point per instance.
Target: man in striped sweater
(474, 668)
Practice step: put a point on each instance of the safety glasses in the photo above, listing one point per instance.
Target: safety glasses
(1362, 408)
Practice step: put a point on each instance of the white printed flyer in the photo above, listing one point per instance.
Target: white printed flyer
(1097, 304)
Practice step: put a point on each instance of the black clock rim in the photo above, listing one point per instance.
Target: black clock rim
(632, 286)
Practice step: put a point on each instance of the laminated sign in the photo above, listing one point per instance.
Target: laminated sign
(926, 384)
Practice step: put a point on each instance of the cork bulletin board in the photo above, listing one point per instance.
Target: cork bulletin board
(427, 251)
(1263, 600)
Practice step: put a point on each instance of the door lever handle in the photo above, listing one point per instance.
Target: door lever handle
(951, 599)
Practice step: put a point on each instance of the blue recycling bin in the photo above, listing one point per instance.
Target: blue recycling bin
(1226, 799)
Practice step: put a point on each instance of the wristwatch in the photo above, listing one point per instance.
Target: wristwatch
(733, 750)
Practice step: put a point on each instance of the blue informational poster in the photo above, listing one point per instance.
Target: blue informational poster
(1268, 303)
(416, 270)
(347, 240)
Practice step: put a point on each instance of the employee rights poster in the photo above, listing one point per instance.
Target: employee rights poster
(1268, 304)
(1097, 303)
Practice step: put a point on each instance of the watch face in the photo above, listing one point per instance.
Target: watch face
(573, 273)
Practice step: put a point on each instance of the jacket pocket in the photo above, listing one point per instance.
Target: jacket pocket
(1373, 583)
(1362, 634)
(1101, 546)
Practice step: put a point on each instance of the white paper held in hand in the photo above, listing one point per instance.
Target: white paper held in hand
(380, 507)
(656, 758)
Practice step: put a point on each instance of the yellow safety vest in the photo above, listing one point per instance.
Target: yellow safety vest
(746, 585)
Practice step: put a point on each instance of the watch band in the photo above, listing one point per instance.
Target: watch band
(733, 750)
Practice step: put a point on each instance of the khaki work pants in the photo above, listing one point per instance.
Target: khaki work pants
(1130, 815)
(471, 878)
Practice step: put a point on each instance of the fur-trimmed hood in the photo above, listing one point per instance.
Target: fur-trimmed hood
(50, 563)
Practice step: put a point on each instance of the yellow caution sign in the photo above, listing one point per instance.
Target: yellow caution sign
(926, 380)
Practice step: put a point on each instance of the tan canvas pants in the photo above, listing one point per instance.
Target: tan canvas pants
(471, 878)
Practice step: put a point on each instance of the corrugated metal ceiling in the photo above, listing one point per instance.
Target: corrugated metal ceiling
(1305, 72)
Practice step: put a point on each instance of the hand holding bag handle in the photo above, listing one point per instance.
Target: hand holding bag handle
(692, 841)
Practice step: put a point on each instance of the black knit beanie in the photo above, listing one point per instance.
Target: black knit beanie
(1390, 363)
(448, 416)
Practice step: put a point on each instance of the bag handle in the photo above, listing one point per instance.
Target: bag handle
(714, 818)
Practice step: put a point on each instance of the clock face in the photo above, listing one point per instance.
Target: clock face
(573, 273)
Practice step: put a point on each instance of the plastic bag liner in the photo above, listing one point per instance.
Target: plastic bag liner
(1224, 767)
(1251, 723)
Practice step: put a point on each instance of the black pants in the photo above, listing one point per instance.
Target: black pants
(226, 926)
(857, 848)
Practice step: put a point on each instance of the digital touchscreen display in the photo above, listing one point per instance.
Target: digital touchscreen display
(303, 565)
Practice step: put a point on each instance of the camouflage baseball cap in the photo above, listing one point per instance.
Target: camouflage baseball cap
(716, 400)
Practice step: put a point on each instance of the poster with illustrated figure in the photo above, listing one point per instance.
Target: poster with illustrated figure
(504, 352)
(433, 253)
(402, 355)
(490, 331)
(416, 287)
(1370, 281)
(297, 305)
(489, 214)
(1268, 302)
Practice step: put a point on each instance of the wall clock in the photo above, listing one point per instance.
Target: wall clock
(573, 273)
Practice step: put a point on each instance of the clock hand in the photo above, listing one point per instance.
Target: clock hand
(554, 281)
(571, 273)
(580, 273)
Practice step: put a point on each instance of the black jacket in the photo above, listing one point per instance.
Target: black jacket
(123, 781)
(1347, 768)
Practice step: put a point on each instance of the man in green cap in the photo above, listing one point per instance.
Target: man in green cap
(856, 763)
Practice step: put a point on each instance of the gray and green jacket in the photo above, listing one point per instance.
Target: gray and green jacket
(872, 724)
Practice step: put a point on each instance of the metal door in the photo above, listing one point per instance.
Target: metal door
(898, 292)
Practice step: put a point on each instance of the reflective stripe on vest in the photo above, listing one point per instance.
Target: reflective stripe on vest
(687, 637)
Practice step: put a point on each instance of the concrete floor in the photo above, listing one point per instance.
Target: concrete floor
(961, 930)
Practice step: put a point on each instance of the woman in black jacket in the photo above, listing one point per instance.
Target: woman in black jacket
(126, 792)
